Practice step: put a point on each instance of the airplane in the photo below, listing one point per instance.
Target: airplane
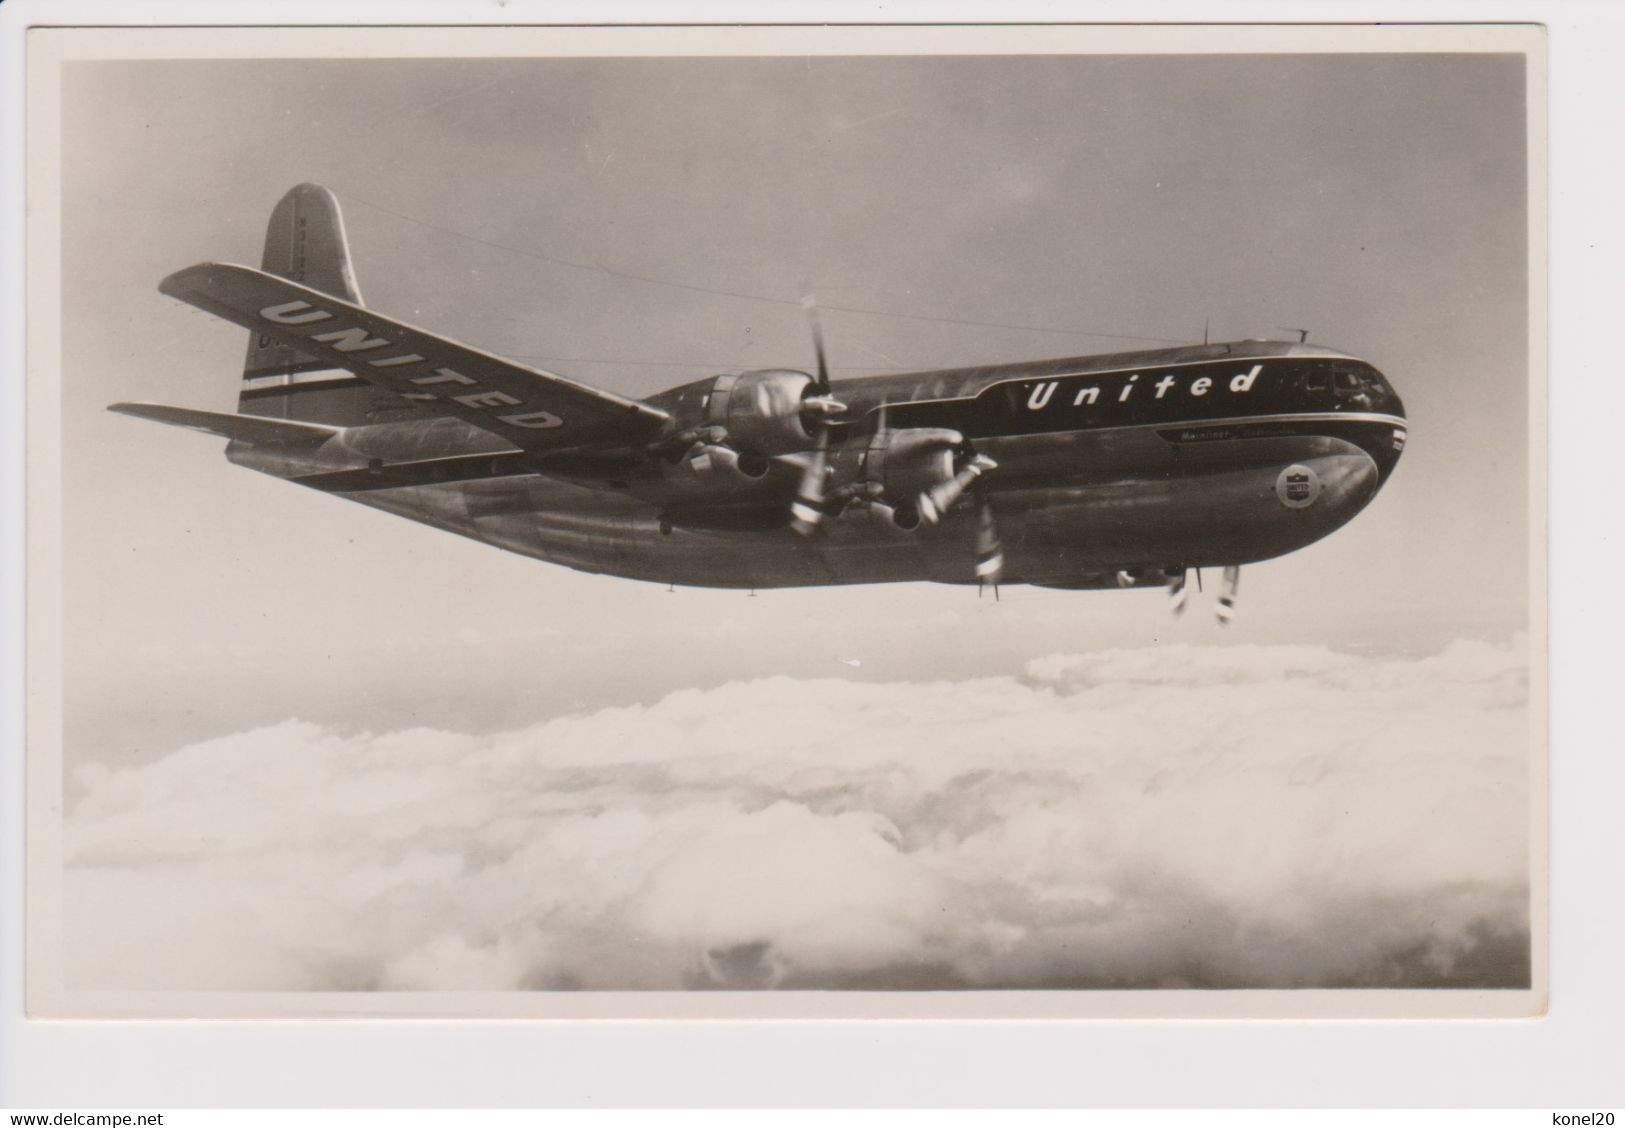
(1124, 470)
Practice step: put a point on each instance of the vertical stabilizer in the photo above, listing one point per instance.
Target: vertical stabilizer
(305, 242)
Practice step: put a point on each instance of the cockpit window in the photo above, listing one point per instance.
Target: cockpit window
(1352, 383)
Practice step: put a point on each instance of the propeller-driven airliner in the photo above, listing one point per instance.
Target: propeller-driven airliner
(1125, 470)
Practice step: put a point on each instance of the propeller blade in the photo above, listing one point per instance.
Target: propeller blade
(821, 385)
(1177, 593)
(940, 498)
(989, 550)
(1226, 610)
(807, 510)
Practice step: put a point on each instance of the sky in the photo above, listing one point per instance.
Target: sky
(582, 214)
(1376, 201)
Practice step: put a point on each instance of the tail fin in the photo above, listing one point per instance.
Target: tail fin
(304, 242)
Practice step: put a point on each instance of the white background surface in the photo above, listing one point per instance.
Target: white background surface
(1569, 1059)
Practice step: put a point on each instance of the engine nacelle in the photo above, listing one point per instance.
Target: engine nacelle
(761, 411)
(871, 517)
(911, 460)
(883, 518)
(707, 467)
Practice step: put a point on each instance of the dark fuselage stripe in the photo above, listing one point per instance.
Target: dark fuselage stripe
(1080, 371)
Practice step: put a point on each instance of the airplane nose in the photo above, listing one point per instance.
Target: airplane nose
(1390, 404)
(1393, 405)
(1348, 481)
(1387, 399)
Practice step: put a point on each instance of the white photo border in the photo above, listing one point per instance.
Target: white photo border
(804, 1062)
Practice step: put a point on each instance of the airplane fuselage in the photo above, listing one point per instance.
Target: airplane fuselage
(1113, 471)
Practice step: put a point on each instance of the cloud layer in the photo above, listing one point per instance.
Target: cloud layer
(1268, 816)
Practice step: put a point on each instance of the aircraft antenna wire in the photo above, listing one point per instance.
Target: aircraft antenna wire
(709, 366)
(599, 268)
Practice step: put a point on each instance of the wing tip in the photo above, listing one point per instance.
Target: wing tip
(189, 279)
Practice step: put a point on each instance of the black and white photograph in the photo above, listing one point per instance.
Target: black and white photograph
(787, 522)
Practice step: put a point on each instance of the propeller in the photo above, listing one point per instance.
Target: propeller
(989, 550)
(1177, 593)
(1226, 609)
(818, 407)
(809, 306)
(937, 500)
(821, 403)
(807, 509)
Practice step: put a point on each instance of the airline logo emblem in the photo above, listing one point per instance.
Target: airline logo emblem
(1297, 487)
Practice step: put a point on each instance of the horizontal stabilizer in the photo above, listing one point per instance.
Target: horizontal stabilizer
(534, 410)
(247, 428)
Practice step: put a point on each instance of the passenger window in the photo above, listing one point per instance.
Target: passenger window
(1316, 380)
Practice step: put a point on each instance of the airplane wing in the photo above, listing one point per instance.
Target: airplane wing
(534, 410)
